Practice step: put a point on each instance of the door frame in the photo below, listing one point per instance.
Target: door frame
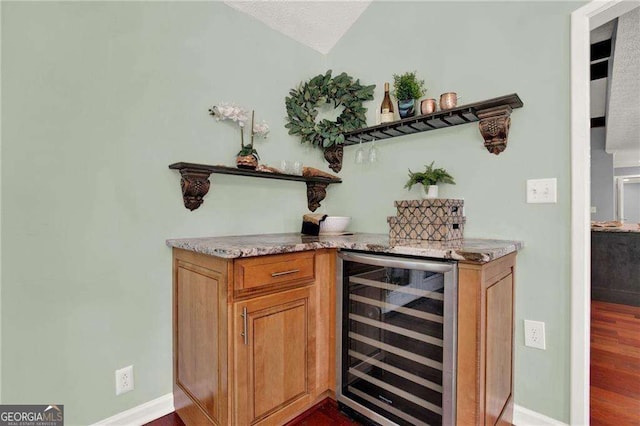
(583, 20)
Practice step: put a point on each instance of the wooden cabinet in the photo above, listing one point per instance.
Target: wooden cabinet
(253, 337)
(485, 343)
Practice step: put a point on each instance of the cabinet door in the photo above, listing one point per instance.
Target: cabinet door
(274, 357)
(499, 323)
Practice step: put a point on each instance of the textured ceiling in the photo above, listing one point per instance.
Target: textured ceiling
(623, 112)
(317, 24)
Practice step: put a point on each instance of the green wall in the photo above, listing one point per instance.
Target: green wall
(99, 97)
(482, 50)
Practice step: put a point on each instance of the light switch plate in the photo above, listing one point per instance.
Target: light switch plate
(542, 190)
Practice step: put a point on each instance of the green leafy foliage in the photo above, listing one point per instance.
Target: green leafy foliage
(248, 150)
(407, 86)
(302, 104)
(430, 176)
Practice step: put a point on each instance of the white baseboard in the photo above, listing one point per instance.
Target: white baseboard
(525, 417)
(163, 405)
(141, 414)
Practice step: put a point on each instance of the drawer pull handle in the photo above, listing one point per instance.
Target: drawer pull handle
(244, 325)
(279, 274)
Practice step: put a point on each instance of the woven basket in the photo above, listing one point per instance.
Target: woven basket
(439, 229)
(430, 208)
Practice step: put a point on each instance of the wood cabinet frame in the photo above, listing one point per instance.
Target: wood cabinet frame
(206, 387)
(485, 342)
(207, 324)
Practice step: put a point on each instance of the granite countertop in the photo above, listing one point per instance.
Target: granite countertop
(471, 250)
(627, 227)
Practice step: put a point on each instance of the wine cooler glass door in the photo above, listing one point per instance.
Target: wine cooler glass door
(397, 328)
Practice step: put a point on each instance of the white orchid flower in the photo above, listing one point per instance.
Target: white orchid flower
(261, 129)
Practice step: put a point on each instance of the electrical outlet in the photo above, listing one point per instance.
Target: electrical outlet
(124, 380)
(542, 190)
(534, 334)
(594, 209)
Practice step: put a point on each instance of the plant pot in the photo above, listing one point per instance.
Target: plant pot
(246, 162)
(430, 192)
(448, 100)
(407, 108)
(427, 106)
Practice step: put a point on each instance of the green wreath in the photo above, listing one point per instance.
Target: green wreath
(302, 104)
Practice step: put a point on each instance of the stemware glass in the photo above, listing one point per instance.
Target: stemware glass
(373, 152)
(359, 154)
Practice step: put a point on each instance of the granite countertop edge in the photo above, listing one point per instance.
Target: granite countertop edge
(626, 228)
(232, 247)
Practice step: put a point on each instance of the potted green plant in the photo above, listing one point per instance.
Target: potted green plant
(429, 180)
(247, 157)
(407, 89)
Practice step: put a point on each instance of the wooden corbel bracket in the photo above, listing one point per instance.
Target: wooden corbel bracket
(195, 185)
(316, 192)
(494, 127)
(334, 155)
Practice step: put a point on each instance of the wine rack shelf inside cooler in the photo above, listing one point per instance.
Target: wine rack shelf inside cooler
(395, 343)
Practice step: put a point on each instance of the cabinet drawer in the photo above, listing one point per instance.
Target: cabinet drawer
(265, 274)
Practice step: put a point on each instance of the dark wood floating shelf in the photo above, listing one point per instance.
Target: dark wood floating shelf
(195, 182)
(493, 115)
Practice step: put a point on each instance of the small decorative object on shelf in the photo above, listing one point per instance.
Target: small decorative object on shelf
(407, 89)
(428, 106)
(247, 157)
(340, 91)
(448, 100)
(386, 108)
(429, 180)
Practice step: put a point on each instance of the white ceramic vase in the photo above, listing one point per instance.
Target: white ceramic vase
(430, 192)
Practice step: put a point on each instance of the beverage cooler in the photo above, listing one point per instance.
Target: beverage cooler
(396, 332)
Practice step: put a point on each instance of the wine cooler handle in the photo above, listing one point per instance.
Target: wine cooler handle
(244, 325)
(397, 262)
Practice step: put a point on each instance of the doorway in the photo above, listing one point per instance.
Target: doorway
(627, 198)
(583, 21)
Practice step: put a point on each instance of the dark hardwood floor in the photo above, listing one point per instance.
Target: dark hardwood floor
(325, 413)
(170, 419)
(615, 364)
(615, 374)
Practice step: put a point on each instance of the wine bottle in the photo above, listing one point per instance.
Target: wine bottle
(386, 108)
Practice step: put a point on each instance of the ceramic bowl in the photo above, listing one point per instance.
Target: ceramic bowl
(334, 224)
